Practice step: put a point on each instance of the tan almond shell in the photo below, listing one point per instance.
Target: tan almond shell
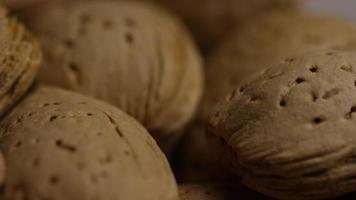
(132, 55)
(290, 131)
(214, 191)
(211, 20)
(20, 57)
(248, 50)
(267, 40)
(61, 145)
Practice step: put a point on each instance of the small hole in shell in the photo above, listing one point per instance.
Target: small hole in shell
(53, 180)
(85, 18)
(255, 99)
(289, 60)
(18, 144)
(36, 162)
(299, 80)
(52, 118)
(319, 120)
(353, 109)
(108, 24)
(283, 103)
(69, 43)
(314, 69)
(129, 38)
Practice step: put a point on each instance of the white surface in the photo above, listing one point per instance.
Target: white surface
(343, 8)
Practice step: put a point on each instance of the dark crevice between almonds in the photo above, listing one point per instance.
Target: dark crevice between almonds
(222, 141)
(317, 173)
(350, 159)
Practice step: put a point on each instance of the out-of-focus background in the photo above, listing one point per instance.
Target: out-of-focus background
(343, 8)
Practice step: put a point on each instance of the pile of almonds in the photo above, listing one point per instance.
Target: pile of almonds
(175, 100)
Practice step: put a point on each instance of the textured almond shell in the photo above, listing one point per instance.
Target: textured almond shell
(267, 40)
(132, 55)
(61, 145)
(20, 58)
(290, 131)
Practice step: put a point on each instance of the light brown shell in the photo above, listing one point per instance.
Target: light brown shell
(20, 58)
(290, 131)
(61, 145)
(211, 191)
(256, 46)
(265, 41)
(211, 20)
(132, 55)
